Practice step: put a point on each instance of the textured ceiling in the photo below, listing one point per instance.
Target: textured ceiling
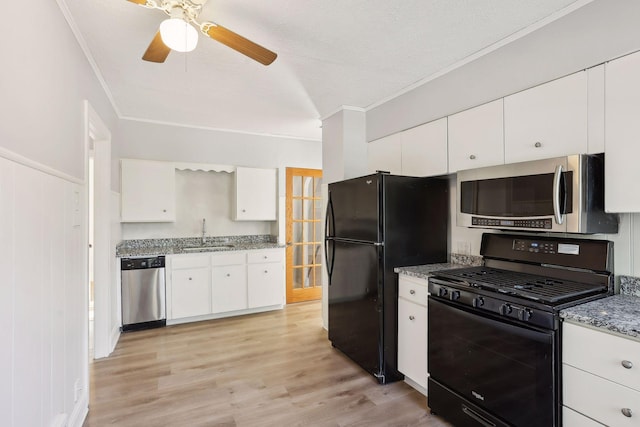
(330, 53)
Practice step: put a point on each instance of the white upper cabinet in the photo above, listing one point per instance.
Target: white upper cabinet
(385, 154)
(424, 149)
(595, 110)
(147, 191)
(420, 151)
(546, 121)
(476, 137)
(622, 134)
(255, 194)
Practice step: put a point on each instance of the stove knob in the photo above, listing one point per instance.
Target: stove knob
(442, 292)
(478, 302)
(505, 309)
(525, 314)
(455, 295)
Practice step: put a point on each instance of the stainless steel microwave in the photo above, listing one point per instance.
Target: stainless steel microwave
(563, 194)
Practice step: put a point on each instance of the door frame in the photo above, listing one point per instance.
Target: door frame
(97, 139)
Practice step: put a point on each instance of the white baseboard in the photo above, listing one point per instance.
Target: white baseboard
(113, 340)
(80, 411)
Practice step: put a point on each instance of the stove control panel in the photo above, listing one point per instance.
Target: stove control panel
(484, 303)
(531, 245)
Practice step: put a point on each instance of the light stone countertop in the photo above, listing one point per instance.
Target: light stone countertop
(618, 313)
(172, 246)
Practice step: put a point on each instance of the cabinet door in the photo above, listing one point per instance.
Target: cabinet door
(190, 292)
(547, 121)
(622, 133)
(229, 288)
(412, 341)
(424, 149)
(147, 191)
(476, 137)
(384, 154)
(265, 283)
(255, 196)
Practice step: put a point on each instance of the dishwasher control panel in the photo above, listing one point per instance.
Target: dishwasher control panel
(142, 263)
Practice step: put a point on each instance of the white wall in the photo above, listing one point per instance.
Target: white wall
(141, 140)
(199, 195)
(44, 80)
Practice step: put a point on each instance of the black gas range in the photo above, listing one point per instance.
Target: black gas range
(494, 331)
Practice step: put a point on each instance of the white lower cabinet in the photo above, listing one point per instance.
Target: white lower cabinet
(265, 272)
(412, 331)
(208, 286)
(229, 282)
(571, 418)
(600, 376)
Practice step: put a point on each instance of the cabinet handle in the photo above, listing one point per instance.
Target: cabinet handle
(627, 364)
(266, 271)
(412, 318)
(265, 257)
(189, 278)
(412, 292)
(164, 210)
(228, 275)
(538, 144)
(472, 157)
(626, 412)
(244, 210)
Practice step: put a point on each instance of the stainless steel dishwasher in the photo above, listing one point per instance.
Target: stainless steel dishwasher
(143, 293)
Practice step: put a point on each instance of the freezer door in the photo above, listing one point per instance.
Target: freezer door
(354, 307)
(354, 209)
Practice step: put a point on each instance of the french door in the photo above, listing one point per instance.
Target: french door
(304, 234)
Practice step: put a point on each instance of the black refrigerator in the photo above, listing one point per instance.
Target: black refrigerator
(374, 224)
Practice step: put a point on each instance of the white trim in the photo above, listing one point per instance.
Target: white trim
(205, 167)
(15, 157)
(343, 108)
(87, 53)
(115, 336)
(80, 410)
(211, 128)
(485, 51)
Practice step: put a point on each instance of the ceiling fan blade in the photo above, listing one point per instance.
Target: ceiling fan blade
(157, 50)
(239, 43)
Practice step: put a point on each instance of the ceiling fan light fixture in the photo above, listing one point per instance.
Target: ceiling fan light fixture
(178, 35)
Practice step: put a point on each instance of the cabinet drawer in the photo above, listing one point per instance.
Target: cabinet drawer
(229, 258)
(600, 399)
(189, 261)
(267, 255)
(414, 290)
(571, 418)
(602, 354)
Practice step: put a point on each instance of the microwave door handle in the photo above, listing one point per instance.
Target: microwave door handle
(556, 195)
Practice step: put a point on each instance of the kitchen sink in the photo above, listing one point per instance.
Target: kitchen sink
(208, 247)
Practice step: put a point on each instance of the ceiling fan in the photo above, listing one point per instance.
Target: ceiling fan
(178, 32)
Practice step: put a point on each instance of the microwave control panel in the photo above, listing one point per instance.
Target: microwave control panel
(544, 224)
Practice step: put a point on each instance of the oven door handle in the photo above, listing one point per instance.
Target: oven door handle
(479, 418)
(556, 195)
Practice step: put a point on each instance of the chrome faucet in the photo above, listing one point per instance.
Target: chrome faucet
(204, 232)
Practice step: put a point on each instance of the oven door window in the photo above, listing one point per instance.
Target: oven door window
(504, 368)
(518, 196)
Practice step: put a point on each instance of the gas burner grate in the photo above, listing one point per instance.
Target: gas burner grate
(525, 285)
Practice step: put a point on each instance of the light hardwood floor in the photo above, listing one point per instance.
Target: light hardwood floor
(268, 369)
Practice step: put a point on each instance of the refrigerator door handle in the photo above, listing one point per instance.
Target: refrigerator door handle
(327, 237)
